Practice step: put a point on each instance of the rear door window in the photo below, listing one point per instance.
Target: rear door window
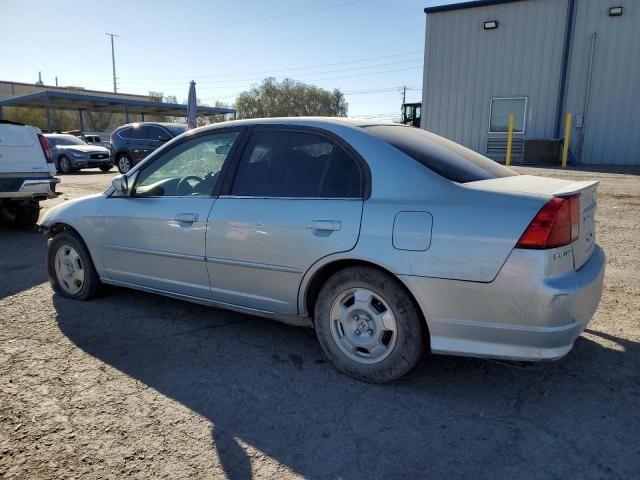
(443, 156)
(282, 163)
(156, 133)
(140, 133)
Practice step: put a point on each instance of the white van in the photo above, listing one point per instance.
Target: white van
(26, 173)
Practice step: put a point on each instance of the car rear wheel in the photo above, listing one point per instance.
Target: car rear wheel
(64, 165)
(368, 325)
(106, 168)
(28, 215)
(124, 163)
(18, 213)
(71, 270)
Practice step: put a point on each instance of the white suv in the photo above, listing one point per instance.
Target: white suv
(26, 173)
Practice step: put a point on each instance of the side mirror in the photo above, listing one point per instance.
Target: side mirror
(121, 185)
(162, 138)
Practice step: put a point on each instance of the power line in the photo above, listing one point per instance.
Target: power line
(252, 20)
(229, 74)
(86, 45)
(240, 87)
(379, 90)
(296, 77)
(373, 91)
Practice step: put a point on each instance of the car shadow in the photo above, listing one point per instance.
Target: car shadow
(86, 172)
(267, 386)
(22, 259)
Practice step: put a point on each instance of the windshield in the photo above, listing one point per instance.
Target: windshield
(176, 128)
(64, 140)
(443, 156)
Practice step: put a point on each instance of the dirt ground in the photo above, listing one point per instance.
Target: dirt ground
(139, 385)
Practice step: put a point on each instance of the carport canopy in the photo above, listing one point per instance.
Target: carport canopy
(51, 99)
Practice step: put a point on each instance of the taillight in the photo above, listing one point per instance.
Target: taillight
(46, 148)
(556, 224)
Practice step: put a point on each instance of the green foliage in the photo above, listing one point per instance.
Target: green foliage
(155, 96)
(290, 98)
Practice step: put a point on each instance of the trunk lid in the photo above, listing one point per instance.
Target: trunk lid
(20, 150)
(583, 247)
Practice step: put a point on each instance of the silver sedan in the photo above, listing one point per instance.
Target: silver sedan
(389, 240)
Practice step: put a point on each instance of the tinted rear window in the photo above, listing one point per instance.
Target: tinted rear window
(443, 156)
(125, 132)
(177, 129)
(140, 132)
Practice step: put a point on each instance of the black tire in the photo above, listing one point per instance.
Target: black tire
(63, 164)
(106, 168)
(91, 285)
(411, 334)
(124, 163)
(27, 216)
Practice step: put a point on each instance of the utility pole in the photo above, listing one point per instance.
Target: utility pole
(404, 99)
(113, 62)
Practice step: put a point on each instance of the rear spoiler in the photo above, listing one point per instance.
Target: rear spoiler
(575, 187)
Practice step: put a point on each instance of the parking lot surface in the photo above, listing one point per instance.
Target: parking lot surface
(134, 384)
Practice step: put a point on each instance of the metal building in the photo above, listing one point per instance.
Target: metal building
(537, 59)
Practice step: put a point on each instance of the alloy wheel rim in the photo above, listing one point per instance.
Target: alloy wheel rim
(64, 164)
(69, 269)
(363, 326)
(124, 164)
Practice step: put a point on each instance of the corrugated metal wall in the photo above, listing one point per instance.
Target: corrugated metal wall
(612, 120)
(465, 66)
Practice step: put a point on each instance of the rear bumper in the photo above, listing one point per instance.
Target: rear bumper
(37, 188)
(522, 315)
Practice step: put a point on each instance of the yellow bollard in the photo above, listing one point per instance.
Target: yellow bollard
(509, 139)
(567, 136)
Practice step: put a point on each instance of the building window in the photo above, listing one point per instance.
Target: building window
(501, 108)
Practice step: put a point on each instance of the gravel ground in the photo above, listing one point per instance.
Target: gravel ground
(139, 385)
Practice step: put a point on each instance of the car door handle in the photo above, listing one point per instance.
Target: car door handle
(325, 225)
(186, 217)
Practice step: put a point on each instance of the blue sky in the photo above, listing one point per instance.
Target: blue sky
(368, 48)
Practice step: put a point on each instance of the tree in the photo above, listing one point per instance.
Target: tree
(210, 119)
(155, 96)
(290, 98)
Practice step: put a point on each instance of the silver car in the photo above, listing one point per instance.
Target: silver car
(389, 240)
(71, 153)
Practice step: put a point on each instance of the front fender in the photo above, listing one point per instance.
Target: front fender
(77, 214)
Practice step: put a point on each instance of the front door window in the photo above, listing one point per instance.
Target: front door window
(190, 169)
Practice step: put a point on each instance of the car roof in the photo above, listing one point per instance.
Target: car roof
(352, 122)
(163, 124)
(59, 135)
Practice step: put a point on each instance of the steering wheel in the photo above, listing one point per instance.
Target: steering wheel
(184, 183)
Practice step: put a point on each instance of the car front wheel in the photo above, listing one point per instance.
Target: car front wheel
(124, 163)
(368, 325)
(71, 270)
(64, 165)
(106, 168)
